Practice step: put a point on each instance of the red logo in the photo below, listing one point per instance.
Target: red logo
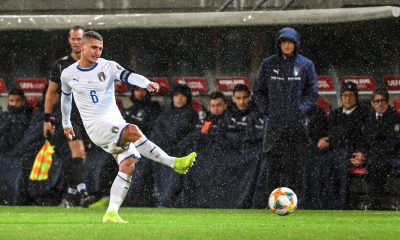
(325, 84)
(227, 84)
(3, 87)
(31, 85)
(197, 84)
(364, 83)
(392, 82)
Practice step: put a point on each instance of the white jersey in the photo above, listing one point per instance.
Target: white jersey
(93, 92)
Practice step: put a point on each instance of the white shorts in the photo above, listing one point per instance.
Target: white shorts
(107, 135)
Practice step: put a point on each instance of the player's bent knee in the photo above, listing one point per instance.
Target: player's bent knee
(133, 133)
(128, 166)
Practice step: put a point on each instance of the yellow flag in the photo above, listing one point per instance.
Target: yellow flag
(42, 164)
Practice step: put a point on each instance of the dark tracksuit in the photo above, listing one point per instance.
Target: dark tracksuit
(254, 131)
(13, 124)
(345, 138)
(382, 146)
(316, 125)
(142, 113)
(238, 125)
(284, 90)
(206, 136)
(172, 126)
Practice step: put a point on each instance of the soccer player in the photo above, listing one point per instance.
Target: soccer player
(77, 194)
(91, 82)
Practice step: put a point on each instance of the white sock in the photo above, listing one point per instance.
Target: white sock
(72, 190)
(118, 191)
(81, 187)
(150, 150)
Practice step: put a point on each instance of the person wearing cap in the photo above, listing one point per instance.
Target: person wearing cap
(284, 90)
(381, 134)
(344, 144)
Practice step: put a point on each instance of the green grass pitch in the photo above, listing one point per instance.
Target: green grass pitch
(42, 223)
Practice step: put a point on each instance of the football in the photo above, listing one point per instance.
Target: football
(282, 201)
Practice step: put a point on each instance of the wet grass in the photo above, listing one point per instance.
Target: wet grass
(145, 223)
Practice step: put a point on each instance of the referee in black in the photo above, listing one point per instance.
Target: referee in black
(76, 194)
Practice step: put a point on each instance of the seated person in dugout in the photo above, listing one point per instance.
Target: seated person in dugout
(15, 120)
(218, 105)
(173, 125)
(344, 141)
(143, 112)
(208, 128)
(245, 122)
(381, 136)
(177, 121)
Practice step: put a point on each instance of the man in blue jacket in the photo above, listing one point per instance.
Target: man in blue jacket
(285, 89)
(143, 112)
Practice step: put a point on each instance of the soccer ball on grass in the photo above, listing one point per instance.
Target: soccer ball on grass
(282, 201)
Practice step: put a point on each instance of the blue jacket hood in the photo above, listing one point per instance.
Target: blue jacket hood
(286, 88)
(288, 33)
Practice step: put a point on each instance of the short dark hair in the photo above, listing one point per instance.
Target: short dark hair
(241, 88)
(92, 34)
(77, 27)
(17, 91)
(380, 91)
(217, 94)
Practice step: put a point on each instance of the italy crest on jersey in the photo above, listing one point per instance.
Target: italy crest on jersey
(101, 76)
(296, 71)
(114, 129)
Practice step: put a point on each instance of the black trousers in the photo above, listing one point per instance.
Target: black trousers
(285, 150)
(378, 174)
(327, 179)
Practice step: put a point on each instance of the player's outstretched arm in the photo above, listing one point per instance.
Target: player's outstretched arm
(139, 80)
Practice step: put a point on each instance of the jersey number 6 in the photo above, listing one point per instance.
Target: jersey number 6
(94, 97)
